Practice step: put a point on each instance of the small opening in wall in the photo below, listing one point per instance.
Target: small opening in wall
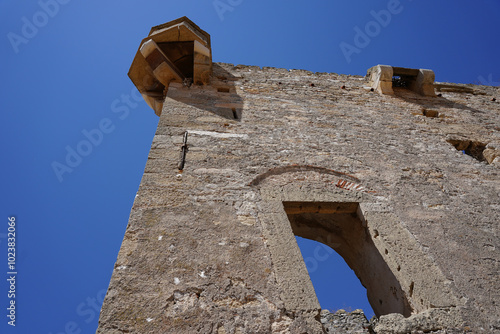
(400, 81)
(472, 148)
(235, 114)
(404, 77)
(475, 150)
(223, 90)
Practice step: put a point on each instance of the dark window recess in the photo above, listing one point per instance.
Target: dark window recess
(223, 90)
(400, 81)
(181, 54)
(404, 77)
(472, 148)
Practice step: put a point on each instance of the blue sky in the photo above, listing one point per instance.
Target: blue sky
(64, 74)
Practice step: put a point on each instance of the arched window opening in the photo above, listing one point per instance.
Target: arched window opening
(336, 285)
(338, 226)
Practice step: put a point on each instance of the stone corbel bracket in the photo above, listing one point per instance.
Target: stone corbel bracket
(177, 51)
(421, 81)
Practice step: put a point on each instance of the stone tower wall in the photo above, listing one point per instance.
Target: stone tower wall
(273, 153)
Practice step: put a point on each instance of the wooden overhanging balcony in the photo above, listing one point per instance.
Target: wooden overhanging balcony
(177, 51)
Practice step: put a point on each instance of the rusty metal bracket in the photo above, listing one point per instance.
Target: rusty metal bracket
(184, 149)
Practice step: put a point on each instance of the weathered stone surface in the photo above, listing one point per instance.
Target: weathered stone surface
(208, 250)
(380, 77)
(343, 322)
(425, 322)
(492, 152)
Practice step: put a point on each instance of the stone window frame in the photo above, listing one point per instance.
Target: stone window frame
(432, 299)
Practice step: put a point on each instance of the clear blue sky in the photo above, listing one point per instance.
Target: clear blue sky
(64, 70)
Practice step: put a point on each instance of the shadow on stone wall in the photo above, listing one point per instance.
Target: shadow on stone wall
(430, 102)
(219, 98)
